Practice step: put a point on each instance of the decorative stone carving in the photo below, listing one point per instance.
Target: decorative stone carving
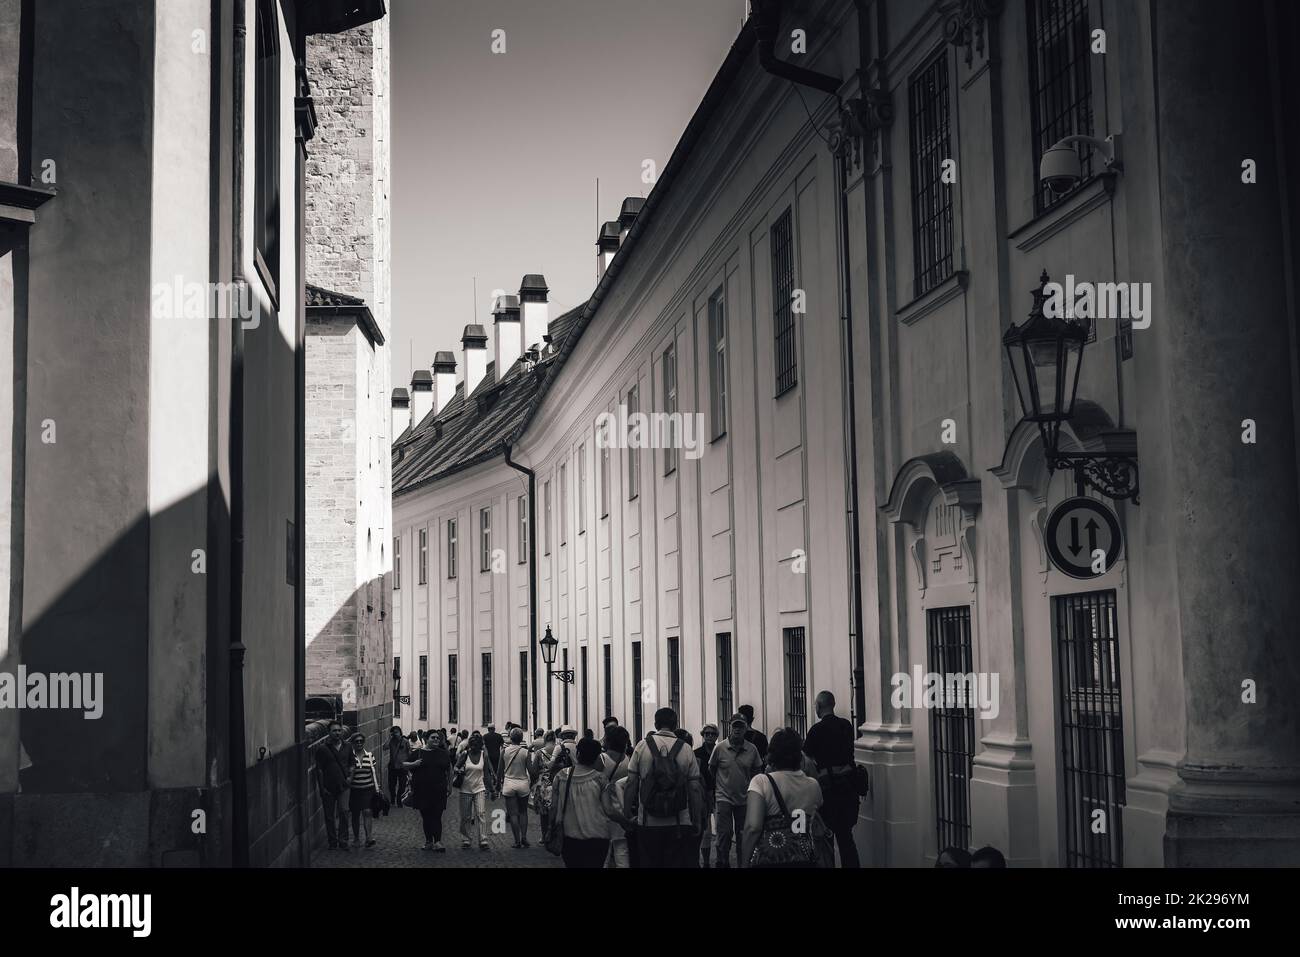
(966, 21)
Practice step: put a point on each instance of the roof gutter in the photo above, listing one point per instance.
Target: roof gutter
(766, 18)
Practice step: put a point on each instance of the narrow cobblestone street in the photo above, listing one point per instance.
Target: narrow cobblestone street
(399, 842)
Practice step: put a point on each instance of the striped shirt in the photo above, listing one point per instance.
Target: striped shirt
(361, 772)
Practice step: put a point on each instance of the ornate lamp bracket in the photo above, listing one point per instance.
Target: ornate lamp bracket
(965, 23)
(1115, 476)
(565, 676)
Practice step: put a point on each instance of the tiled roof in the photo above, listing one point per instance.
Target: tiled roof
(318, 296)
(466, 433)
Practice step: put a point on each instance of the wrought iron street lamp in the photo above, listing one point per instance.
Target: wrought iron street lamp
(549, 646)
(1046, 354)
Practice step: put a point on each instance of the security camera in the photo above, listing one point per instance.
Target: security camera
(1061, 168)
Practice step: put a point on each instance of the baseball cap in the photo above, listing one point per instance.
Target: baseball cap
(738, 718)
(568, 729)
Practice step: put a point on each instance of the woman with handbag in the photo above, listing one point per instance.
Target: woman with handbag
(476, 779)
(782, 826)
(364, 790)
(430, 788)
(515, 785)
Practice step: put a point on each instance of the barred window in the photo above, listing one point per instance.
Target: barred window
(717, 365)
(952, 725)
(633, 453)
(487, 688)
(725, 709)
(796, 680)
(523, 687)
(670, 407)
(485, 539)
(582, 664)
(424, 556)
(565, 684)
(609, 679)
(1060, 84)
(451, 548)
(397, 563)
(453, 690)
(637, 706)
(787, 354)
(424, 687)
(928, 101)
(675, 675)
(523, 529)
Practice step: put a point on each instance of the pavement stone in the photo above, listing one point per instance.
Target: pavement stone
(399, 842)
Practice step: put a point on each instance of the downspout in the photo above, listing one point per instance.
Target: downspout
(766, 21)
(238, 770)
(532, 574)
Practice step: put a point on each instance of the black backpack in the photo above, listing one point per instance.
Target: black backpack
(663, 790)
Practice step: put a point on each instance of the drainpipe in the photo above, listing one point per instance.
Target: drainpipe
(238, 770)
(532, 574)
(766, 19)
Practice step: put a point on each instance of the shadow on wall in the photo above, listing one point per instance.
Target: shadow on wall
(350, 657)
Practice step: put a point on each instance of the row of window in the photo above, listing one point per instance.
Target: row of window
(796, 687)
(1060, 85)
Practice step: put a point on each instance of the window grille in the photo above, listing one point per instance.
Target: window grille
(787, 356)
(1060, 85)
(932, 233)
(952, 725)
(796, 680)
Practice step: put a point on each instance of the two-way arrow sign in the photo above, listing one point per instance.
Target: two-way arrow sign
(1070, 523)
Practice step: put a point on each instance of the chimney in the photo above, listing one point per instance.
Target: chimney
(444, 380)
(532, 300)
(474, 342)
(401, 412)
(509, 333)
(606, 246)
(421, 395)
(627, 215)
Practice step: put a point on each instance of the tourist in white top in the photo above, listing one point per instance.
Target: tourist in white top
(515, 785)
(798, 790)
(479, 780)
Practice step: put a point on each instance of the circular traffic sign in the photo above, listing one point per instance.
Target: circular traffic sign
(1083, 536)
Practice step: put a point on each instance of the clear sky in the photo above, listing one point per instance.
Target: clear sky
(495, 156)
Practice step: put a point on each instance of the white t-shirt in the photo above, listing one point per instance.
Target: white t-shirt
(799, 792)
(473, 782)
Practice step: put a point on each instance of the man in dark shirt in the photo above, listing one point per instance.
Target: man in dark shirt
(755, 737)
(830, 745)
(492, 744)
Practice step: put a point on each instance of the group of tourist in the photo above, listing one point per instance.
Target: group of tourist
(736, 800)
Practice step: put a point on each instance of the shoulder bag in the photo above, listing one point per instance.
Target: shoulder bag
(779, 845)
(555, 835)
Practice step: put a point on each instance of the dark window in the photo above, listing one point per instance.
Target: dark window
(487, 688)
(1092, 729)
(397, 675)
(952, 725)
(452, 549)
(397, 563)
(928, 98)
(796, 680)
(633, 453)
(424, 557)
(523, 689)
(670, 407)
(564, 503)
(675, 675)
(1060, 84)
(725, 697)
(637, 706)
(604, 473)
(485, 539)
(582, 665)
(787, 352)
(565, 667)
(546, 517)
(523, 529)
(266, 148)
(424, 687)
(582, 488)
(453, 690)
(717, 366)
(609, 680)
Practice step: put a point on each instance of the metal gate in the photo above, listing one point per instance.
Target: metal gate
(952, 726)
(1092, 729)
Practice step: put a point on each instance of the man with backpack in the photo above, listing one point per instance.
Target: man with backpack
(665, 797)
